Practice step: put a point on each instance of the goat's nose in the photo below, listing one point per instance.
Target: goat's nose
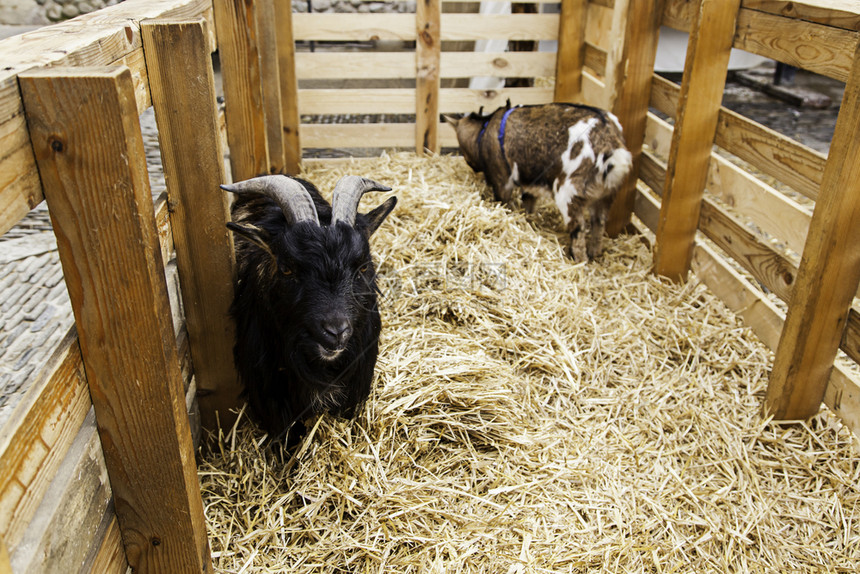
(337, 330)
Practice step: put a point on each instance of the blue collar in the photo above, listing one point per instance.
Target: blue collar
(502, 129)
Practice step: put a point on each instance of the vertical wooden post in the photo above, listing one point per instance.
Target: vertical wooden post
(271, 83)
(702, 87)
(828, 276)
(289, 87)
(89, 149)
(238, 49)
(183, 95)
(570, 56)
(427, 56)
(642, 31)
(614, 74)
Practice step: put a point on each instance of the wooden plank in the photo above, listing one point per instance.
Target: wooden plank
(570, 56)
(87, 141)
(5, 565)
(37, 436)
(773, 153)
(270, 71)
(427, 58)
(631, 105)
(365, 27)
(828, 277)
(498, 65)
(595, 58)
(358, 65)
(598, 30)
(770, 210)
(618, 52)
(679, 14)
(354, 27)
(236, 27)
(759, 313)
(835, 13)
(183, 95)
(337, 136)
(357, 101)
(820, 49)
(110, 557)
(69, 519)
(706, 67)
(593, 90)
(461, 100)
(103, 37)
(289, 88)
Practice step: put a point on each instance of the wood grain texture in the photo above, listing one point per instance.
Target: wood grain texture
(183, 95)
(428, 48)
(271, 83)
(618, 52)
(38, 435)
(239, 52)
(103, 37)
(702, 86)
(87, 141)
(836, 13)
(355, 65)
(842, 395)
(570, 56)
(69, 520)
(828, 277)
(289, 88)
(629, 99)
(779, 156)
(110, 556)
(821, 49)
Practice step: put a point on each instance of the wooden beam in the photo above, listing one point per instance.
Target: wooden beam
(239, 51)
(183, 95)
(428, 49)
(271, 83)
(570, 56)
(705, 72)
(89, 149)
(631, 104)
(289, 88)
(828, 276)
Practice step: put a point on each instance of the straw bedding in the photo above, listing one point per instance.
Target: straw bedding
(532, 415)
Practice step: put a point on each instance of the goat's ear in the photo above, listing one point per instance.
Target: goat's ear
(373, 219)
(252, 233)
(453, 120)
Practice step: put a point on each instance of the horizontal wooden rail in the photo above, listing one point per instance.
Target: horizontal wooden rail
(367, 27)
(843, 390)
(355, 65)
(777, 155)
(817, 39)
(106, 37)
(770, 210)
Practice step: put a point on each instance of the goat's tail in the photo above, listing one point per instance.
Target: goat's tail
(616, 166)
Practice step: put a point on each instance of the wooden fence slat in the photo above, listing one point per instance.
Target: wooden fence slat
(238, 49)
(843, 389)
(427, 55)
(38, 436)
(355, 27)
(290, 120)
(836, 13)
(183, 95)
(615, 68)
(819, 49)
(355, 65)
(570, 56)
(705, 68)
(828, 276)
(270, 65)
(88, 145)
(499, 65)
(460, 100)
(631, 106)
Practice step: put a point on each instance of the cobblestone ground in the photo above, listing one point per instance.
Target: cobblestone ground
(34, 308)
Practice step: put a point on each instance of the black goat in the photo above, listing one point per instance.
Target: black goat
(305, 306)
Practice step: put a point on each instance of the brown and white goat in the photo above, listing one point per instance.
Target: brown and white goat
(574, 152)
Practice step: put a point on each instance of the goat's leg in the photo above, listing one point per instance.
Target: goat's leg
(577, 228)
(599, 211)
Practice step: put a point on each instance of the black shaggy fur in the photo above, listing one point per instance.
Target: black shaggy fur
(290, 281)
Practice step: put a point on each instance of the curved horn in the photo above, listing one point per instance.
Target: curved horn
(291, 196)
(346, 195)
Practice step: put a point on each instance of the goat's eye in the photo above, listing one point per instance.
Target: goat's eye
(362, 269)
